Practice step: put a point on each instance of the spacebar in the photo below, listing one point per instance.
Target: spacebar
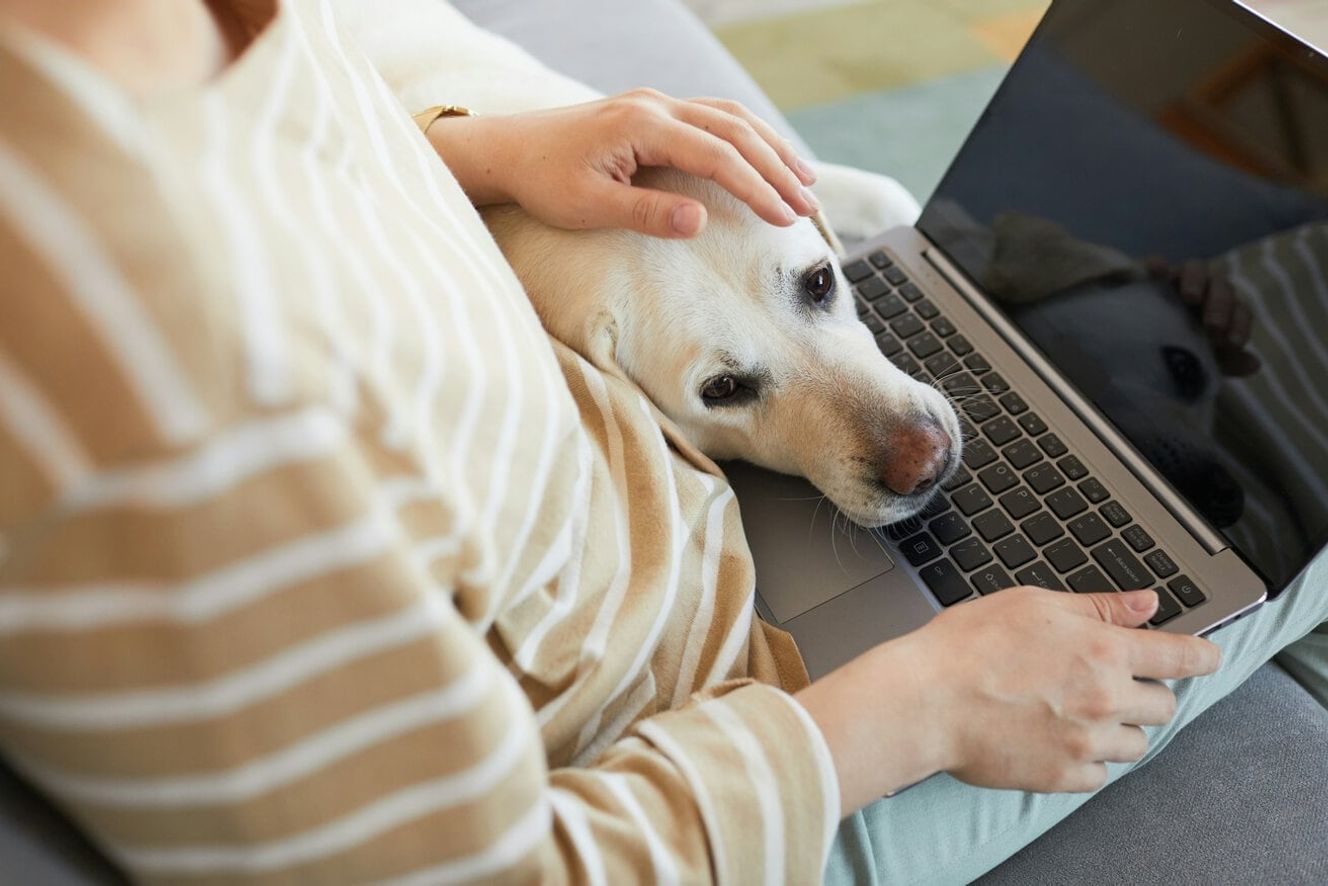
(945, 581)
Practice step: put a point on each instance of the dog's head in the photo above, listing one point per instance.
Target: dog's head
(747, 337)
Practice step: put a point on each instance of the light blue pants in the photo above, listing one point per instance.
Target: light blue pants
(943, 831)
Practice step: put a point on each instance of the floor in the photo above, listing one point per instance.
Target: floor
(894, 85)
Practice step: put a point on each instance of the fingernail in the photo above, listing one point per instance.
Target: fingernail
(1140, 601)
(787, 214)
(805, 170)
(811, 199)
(686, 219)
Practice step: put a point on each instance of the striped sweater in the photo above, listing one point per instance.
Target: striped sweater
(319, 561)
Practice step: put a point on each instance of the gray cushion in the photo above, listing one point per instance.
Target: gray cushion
(1240, 796)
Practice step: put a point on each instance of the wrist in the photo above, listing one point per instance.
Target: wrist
(472, 149)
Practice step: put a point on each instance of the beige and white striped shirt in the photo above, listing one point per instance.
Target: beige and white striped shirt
(319, 561)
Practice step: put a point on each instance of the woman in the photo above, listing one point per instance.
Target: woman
(321, 561)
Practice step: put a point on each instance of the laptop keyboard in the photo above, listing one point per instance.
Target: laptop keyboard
(1023, 509)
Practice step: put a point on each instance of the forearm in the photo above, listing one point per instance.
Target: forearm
(878, 723)
(475, 157)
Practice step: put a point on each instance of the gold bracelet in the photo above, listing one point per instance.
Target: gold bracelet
(424, 119)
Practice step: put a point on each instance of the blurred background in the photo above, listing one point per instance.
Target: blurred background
(894, 85)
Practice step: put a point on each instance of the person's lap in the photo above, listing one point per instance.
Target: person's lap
(944, 831)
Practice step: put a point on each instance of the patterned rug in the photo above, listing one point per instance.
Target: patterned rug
(895, 85)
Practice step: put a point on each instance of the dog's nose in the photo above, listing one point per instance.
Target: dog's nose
(917, 458)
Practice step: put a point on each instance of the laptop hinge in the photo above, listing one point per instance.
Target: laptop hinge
(1096, 421)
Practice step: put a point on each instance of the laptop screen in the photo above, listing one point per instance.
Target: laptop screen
(1146, 197)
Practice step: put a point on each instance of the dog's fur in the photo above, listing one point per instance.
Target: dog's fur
(819, 399)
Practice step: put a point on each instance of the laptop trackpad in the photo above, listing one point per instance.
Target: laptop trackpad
(804, 555)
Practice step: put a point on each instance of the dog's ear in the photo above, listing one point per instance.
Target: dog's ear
(828, 233)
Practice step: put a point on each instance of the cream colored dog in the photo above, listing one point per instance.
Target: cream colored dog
(746, 337)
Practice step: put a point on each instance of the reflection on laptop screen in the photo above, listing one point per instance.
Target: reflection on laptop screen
(1146, 167)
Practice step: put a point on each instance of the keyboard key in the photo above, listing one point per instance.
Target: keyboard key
(924, 377)
(995, 383)
(1020, 503)
(971, 499)
(1123, 567)
(1094, 491)
(1044, 478)
(1072, 468)
(991, 579)
(926, 310)
(1159, 562)
(1065, 555)
(1013, 403)
(1032, 424)
(1166, 609)
(1137, 538)
(970, 554)
(1186, 591)
(903, 529)
(1042, 528)
(999, 478)
(1066, 503)
(938, 505)
(863, 308)
(857, 271)
(1052, 445)
(993, 525)
(880, 259)
(945, 581)
(960, 384)
(1015, 551)
(1039, 575)
(981, 408)
(1001, 430)
(961, 478)
(1115, 513)
(942, 364)
(961, 346)
(1089, 529)
(873, 322)
(890, 307)
(1021, 454)
(923, 346)
(895, 275)
(921, 548)
(949, 528)
(943, 327)
(977, 363)
(910, 291)
(907, 326)
(1090, 580)
(906, 363)
(888, 344)
(978, 454)
(873, 288)
(966, 429)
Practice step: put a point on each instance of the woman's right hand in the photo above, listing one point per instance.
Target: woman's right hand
(1026, 689)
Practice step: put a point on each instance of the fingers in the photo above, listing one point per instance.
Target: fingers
(657, 213)
(781, 146)
(1193, 282)
(756, 147)
(1147, 703)
(1123, 744)
(1160, 656)
(1128, 610)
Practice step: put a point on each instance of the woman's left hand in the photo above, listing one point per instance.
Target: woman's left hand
(573, 167)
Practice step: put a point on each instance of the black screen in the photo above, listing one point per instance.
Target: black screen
(1146, 197)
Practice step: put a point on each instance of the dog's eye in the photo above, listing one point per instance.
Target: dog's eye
(819, 284)
(717, 390)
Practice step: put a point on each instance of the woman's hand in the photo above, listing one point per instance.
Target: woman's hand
(1026, 689)
(572, 167)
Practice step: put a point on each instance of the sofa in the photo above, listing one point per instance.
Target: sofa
(1240, 797)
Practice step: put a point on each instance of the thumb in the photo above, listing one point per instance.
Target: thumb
(657, 213)
(1128, 610)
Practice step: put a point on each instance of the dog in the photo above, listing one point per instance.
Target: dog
(746, 337)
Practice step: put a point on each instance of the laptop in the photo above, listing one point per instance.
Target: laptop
(1144, 162)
